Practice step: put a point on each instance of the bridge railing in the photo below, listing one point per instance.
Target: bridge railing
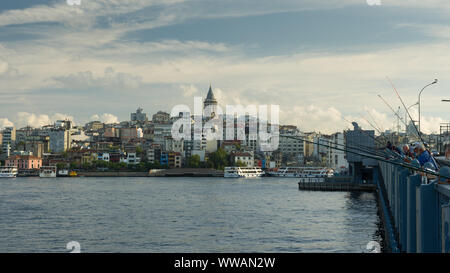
(419, 209)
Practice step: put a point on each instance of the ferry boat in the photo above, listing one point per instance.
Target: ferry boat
(246, 172)
(8, 172)
(63, 172)
(47, 171)
(306, 174)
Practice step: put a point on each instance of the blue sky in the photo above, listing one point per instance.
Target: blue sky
(319, 60)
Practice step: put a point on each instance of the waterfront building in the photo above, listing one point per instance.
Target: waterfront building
(37, 148)
(164, 159)
(231, 145)
(88, 157)
(291, 144)
(131, 159)
(337, 158)
(245, 157)
(174, 160)
(9, 139)
(154, 153)
(60, 140)
(24, 162)
(161, 132)
(103, 157)
(174, 145)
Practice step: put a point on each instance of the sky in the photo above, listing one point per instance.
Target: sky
(323, 62)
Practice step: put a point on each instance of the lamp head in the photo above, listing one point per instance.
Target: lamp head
(435, 81)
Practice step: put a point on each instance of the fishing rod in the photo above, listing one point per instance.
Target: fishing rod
(369, 150)
(408, 166)
(390, 107)
(370, 115)
(381, 134)
(406, 109)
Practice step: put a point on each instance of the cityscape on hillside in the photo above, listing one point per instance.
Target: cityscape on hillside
(143, 143)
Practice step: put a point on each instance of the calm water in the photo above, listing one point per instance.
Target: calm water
(181, 215)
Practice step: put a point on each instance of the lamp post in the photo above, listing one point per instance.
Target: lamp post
(435, 81)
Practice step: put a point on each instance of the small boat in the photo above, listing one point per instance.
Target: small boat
(306, 174)
(8, 172)
(47, 172)
(63, 172)
(246, 172)
(73, 174)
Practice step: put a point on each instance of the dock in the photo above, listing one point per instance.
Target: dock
(186, 172)
(336, 186)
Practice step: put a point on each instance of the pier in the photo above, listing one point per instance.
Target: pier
(336, 186)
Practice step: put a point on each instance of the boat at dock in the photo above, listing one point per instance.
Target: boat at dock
(244, 172)
(63, 173)
(306, 174)
(47, 172)
(8, 172)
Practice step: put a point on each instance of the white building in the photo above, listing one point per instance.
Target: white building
(337, 158)
(103, 157)
(131, 159)
(9, 139)
(245, 157)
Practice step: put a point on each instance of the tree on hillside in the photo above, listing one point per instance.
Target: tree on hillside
(218, 159)
(194, 161)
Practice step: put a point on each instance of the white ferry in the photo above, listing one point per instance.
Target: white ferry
(306, 174)
(246, 172)
(63, 172)
(47, 171)
(8, 172)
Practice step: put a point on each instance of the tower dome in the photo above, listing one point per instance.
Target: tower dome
(210, 99)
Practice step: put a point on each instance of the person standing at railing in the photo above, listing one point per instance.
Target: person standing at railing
(424, 156)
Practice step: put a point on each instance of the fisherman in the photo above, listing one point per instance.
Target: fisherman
(424, 156)
(389, 145)
(405, 149)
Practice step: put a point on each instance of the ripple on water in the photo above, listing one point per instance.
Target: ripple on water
(181, 215)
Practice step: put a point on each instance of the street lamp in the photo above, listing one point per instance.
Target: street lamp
(435, 81)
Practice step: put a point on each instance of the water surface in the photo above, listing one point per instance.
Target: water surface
(181, 215)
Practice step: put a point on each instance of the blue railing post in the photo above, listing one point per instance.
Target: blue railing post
(403, 208)
(413, 182)
(428, 219)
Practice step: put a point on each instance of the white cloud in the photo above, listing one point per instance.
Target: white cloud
(82, 15)
(105, 118)
(78, 55)
(109, 79)
(23, 119)
(189, 90)
(4, 122)
(4, 67)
